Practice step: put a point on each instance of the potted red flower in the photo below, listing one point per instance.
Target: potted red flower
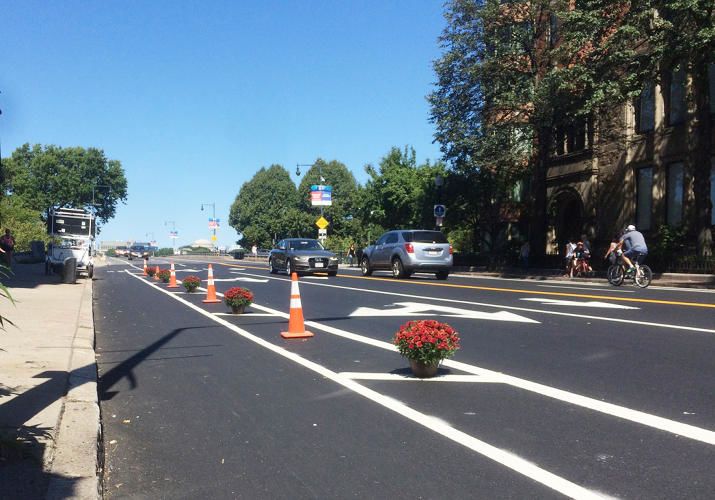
(191, 283)
(425, 343)
(238, 298)
(164, 275)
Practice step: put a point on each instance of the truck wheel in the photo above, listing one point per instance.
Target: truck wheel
(90, 271)
(69, 271)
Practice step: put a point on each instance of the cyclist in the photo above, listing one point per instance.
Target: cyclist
(580, 258)
(634, 246)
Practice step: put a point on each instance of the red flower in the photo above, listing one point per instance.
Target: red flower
(428, 341)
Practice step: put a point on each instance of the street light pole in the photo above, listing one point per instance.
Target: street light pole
(213, 207)
(173, 233)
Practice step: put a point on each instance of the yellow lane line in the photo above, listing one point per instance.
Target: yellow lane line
(517, 290)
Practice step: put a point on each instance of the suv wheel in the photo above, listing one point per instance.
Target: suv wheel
(398, 270)
(365, 267)
(442, 275)
(271, 268)
(288, 270)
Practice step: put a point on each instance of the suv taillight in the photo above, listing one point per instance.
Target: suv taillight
(409, 248)
(451, 251)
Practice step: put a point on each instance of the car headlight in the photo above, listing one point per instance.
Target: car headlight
(300, 258)
(333, 259)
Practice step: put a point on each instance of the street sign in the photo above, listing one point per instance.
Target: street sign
(213, 237)
(321, 198)
(322, 232)
(322, 222)
(173, 234)
(440, 210)
(439, 221)
(214, 223)
(320, 187)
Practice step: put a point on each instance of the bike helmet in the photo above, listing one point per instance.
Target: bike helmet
(630, 227)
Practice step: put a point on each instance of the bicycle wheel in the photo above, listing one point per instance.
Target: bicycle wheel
(643, 276)
(615, 275)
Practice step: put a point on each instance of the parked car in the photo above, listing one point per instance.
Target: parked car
(121, 251)
(302, 255)
(408, 251)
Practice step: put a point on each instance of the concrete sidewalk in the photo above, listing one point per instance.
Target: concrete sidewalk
(49, 413)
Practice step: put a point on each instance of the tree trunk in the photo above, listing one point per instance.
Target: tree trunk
(537, 222)
(701, 155)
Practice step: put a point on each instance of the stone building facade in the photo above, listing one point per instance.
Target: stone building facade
(631, 167)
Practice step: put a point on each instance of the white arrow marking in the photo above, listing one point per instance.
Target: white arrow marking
(250, 280)
(418, 309)
(190, 270)
(556, 302)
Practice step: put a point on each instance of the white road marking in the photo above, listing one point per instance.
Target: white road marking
(246, 315)
(511, 308)
(397, 377)
(503, 457)
(315, 277)
(639, 417)
(250, 280)
(575, 303)
(190, 270)
(590, 289)
(418, 309)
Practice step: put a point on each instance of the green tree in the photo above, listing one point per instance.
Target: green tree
(493, 109)
(26, 223)
(76, 177)
(266, 208)
(344, 186)
(400, 193)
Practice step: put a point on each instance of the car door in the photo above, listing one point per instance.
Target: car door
(279, 261)
(380, 258)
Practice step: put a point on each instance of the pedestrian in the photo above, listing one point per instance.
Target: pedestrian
(569, 250)
(524, 255)
(254, 251)
(7, 245)
(351, 254)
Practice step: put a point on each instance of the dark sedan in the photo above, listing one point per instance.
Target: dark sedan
(303, 256)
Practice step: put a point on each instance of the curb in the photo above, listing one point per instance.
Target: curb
(75, 465)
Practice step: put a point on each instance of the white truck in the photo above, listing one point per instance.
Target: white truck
(72, 250)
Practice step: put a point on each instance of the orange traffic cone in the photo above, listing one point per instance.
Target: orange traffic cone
(156, 273)
(296, 328)
(172, 278)
(211, 289)
(145, 273)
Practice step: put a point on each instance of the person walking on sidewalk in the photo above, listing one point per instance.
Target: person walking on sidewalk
(351, 254)
(7, 245)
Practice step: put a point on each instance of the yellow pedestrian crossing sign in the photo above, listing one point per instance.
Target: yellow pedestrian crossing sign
(322, 222)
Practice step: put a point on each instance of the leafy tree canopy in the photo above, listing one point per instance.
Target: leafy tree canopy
(266, 208)
(76, 177)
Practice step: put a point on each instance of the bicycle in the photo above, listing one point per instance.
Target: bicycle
(582, 269)
(641, 275)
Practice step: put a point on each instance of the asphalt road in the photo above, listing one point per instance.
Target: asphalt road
(560, 389)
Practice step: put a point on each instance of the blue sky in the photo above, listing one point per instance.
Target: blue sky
(193, 97)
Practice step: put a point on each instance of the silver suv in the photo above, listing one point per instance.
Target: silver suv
(408, 251)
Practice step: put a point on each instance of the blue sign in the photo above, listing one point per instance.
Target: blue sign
(316, 187)
(439, 210)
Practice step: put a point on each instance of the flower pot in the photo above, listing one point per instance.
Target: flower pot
(422, 370)
(238, 309)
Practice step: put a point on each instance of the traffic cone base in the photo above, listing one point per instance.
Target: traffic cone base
(145, 267)
(156, 273)
(211, 289)
(296, 326)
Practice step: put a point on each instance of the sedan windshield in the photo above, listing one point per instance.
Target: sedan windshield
(305, 245)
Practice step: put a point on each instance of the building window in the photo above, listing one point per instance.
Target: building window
(645, 109)
(711, 82)
(644, 197)
(677, 107)
(674, 193)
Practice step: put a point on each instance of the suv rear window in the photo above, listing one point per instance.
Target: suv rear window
(424, 237)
